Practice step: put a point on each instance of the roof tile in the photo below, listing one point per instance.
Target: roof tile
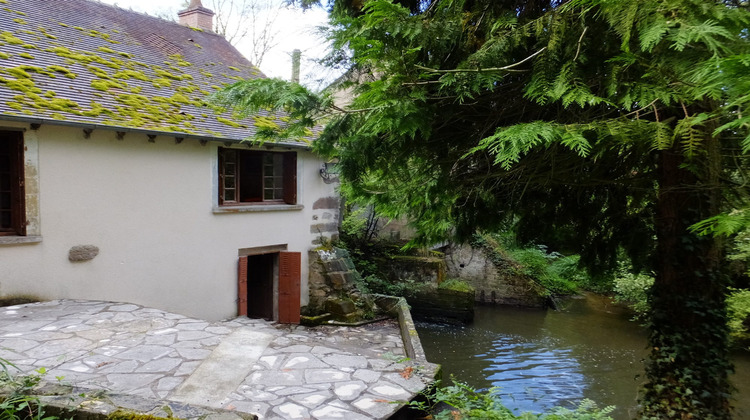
(88, 63)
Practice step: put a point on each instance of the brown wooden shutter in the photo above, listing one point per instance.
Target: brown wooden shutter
(18, 213)
(221, 176)
(289, 287)
(242, 287)
(290, 177)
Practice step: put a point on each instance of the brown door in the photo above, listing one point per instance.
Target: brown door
(242, 287)
(289, 287)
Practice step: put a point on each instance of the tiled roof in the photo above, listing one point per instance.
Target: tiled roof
(83, 62)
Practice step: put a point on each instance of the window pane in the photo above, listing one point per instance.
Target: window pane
(229, 182)
(230, 195)
(230, 168)
(4, 182)
(5, 221)
(5, 201)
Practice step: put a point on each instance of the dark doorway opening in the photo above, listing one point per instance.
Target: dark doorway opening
(260, 275)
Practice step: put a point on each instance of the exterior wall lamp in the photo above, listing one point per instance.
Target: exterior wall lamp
(330, 172)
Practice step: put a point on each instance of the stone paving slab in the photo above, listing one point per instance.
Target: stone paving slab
(287, 372)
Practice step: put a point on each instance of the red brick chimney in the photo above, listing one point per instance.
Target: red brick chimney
(197, 16)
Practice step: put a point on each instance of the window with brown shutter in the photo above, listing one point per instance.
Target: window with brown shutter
(12, 206)
(248, 176)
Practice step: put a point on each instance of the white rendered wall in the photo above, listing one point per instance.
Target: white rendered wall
(149, 207)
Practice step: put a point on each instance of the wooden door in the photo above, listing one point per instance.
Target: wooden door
(242, 287)
(289, 287)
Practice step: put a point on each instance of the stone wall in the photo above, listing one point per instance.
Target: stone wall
(325, 219)
(502, 285)
(332, 275)
(428, 270)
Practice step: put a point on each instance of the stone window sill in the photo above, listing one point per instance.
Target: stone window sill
(257, 208)
(17, 240)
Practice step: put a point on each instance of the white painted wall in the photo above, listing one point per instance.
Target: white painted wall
(149, 209)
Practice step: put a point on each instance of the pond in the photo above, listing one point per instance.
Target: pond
(543, 358)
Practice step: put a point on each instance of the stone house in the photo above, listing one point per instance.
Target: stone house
(118, 182)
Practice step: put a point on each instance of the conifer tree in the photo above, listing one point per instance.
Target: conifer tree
(605, 125)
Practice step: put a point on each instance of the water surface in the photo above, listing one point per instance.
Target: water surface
(541, 359)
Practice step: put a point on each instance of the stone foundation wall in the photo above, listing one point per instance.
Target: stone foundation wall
(492, 284)
(332, 274)
(428, 270)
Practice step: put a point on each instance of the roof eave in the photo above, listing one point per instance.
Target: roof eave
(176, 134)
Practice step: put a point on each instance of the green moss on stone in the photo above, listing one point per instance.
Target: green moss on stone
(187, 89)
(266, 123)
(160, 82)
(98, 72)
(135, 74)
(180, 98)
(15, 105)
(50, 94)
(20, 21)
(105, 85)
(230, 122)
(167, 75)
(20, 85)
(129, 415)
(234, 68)
(96, 110)
(8, 37)
(4, 55)
(26, 56)
(62, 70)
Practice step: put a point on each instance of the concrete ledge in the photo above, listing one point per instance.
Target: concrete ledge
(397, 307)
(85, 404)
(257, 208)
(15, 240)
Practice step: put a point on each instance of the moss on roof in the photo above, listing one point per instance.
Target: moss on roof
(157, 76)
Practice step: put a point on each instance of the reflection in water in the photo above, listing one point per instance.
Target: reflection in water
(541, 359)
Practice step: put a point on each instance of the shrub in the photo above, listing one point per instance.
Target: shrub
(738, 309)
(457, 285)
(632, 289)
(18, 403)
(467, 403)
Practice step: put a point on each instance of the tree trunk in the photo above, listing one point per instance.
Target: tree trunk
(688, 367)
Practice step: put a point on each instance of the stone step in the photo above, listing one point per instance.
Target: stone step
(224, 369)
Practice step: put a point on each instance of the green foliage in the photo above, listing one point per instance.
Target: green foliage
(738, 303)
(457, 285)
(377, 284)
(633, 289)
(18, 403)
(596, 125)
(466, 402)
(558, 274)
